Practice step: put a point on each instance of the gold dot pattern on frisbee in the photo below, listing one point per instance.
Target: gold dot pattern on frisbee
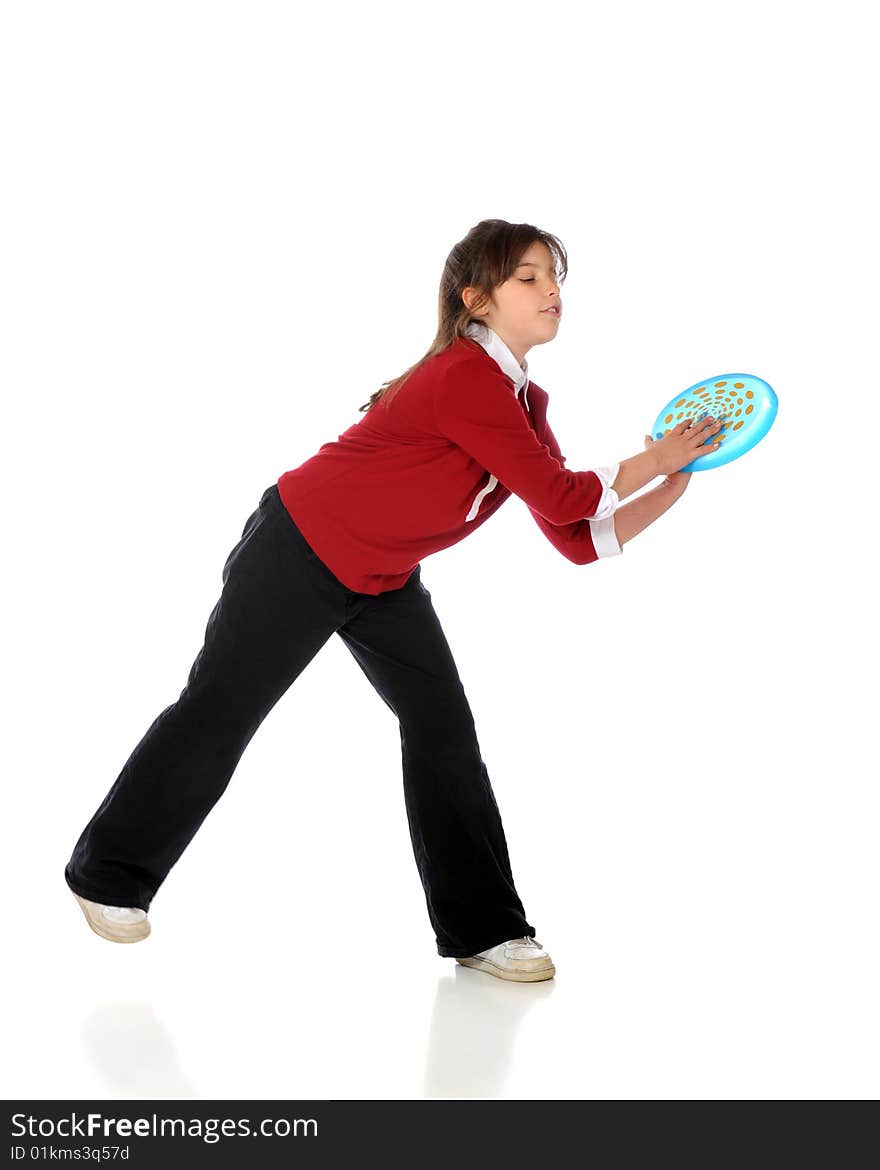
(731, 406)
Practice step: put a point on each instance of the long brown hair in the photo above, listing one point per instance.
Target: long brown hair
(486, 257)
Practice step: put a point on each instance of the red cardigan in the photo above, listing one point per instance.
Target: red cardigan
(420, 472)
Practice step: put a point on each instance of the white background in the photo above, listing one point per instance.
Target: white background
(223, 228)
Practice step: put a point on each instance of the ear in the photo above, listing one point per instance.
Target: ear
(471, 297)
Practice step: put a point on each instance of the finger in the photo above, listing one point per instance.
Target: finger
(702, 431)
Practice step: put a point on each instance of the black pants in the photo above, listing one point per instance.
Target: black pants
(279, 605)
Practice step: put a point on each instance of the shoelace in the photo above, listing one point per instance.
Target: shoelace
(122, 913)
(525, 941)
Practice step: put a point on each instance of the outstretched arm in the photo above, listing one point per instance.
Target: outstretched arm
(589, 540)
(475, 408)
(586, 540)
(634, 517)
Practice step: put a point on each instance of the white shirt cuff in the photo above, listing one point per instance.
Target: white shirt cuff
(610, 499)
(605, 537)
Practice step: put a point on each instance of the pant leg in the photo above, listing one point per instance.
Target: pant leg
(279, 604)
(454, 822)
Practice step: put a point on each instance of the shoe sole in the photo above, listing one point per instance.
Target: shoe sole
(119, 932)
(534, 976)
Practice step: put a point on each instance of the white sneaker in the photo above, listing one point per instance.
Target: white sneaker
(123, 924)
(520, 959)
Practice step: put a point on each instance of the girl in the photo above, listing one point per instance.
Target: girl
(335, 547)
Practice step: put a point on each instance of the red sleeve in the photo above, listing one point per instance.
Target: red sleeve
(476, 408)
(573, 540)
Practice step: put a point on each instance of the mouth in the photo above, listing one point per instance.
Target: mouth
(553, 310)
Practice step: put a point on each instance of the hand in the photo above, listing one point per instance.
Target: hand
(683, 443)
(677, 480)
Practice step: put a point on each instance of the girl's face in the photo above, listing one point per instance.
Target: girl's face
(518, 310)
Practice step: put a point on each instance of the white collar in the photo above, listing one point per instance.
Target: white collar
(500, 351)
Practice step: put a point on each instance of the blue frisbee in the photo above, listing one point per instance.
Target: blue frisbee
(746, 404)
